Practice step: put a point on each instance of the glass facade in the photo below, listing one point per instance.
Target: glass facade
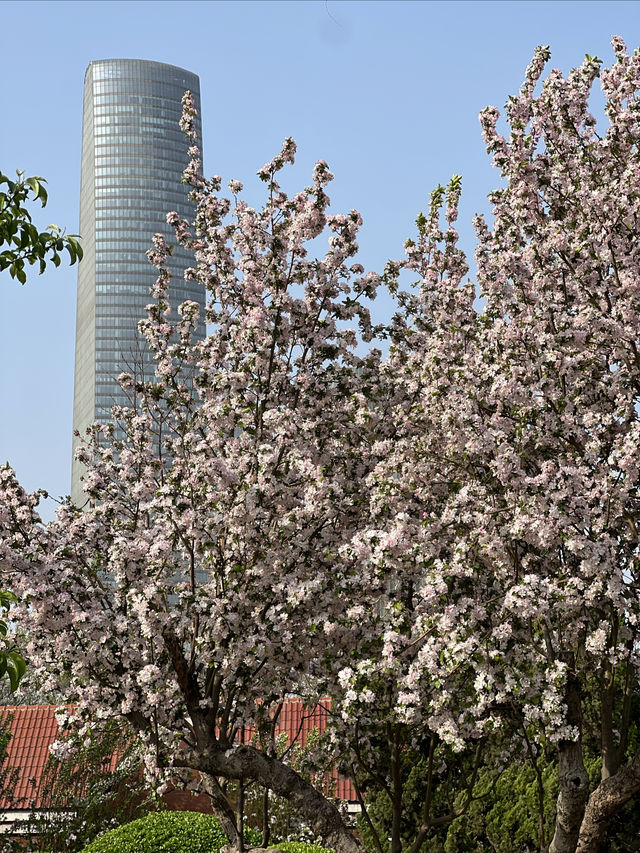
(133, 156)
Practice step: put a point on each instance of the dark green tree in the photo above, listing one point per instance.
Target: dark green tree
(410, 800)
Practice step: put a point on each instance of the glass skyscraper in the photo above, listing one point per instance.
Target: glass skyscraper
(133, 156)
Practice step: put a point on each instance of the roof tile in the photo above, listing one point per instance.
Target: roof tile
(34, 728)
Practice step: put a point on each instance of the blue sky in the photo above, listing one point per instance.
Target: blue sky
(387, 92)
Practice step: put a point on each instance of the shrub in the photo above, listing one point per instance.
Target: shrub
(163, 832)
(300, 847)
(252, 837)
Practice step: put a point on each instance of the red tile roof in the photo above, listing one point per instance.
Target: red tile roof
(34, 728)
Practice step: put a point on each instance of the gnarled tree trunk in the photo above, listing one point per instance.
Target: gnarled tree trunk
(607, 799)
(246, 762)
(221, 808)
(572, 777)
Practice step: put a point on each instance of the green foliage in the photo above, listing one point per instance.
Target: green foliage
(507, 817)
(252, 837)
(20, 241)
(414, 790)
(301, 847)
(503, 814)
(163, 832)
(431, 783)
(624, 834)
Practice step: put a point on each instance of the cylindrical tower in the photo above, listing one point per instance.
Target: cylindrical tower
(133, 156)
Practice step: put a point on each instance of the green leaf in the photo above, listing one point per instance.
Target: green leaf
(16, 668)
(34, 184)
(7, 598)
(39, 191)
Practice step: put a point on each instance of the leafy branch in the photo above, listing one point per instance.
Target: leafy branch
(20, 241)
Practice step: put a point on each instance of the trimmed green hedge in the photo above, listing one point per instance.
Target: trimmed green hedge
(163, 832)
(180, 832)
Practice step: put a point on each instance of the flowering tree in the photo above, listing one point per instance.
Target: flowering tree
(210, 551)
(513, 478)
(443, 541)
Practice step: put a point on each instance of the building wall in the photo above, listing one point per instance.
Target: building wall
(133, 156)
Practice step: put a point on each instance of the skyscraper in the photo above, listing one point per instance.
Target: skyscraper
(133, 156)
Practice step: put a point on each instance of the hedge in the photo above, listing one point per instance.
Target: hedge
(163, 832)
(180, 832)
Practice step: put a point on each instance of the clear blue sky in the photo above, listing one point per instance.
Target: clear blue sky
(387, 92)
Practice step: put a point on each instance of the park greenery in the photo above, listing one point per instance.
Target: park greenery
(169, 832)
(432, 522)
(177, 832)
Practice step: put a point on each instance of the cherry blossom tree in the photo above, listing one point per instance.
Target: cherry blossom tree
(443, 540)
(513, 479)
(199, 587)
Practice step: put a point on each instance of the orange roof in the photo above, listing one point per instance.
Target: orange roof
(34, 728)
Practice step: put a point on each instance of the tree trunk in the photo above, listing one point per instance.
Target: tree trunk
(221, 808)
(611, 756)
(241, 816)
(396, 790)
(244, 761)
(607, 799)
(572, 798)
(572, 777)
(266, 826)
